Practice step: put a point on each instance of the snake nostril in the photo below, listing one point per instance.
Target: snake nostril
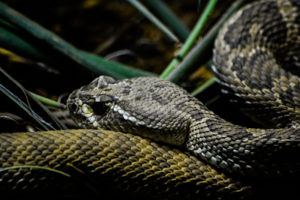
(72, 108)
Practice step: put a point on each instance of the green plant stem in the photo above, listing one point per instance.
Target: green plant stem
(204, 86)
(45, 100)
(191, 39)
(153, 19)
(201, 52)
(168, 17)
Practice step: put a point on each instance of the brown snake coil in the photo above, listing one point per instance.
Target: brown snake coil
(245, 64)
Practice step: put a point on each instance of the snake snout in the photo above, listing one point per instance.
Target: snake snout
(71, 105)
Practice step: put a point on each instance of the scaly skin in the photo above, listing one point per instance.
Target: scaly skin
(248, 54)
(130, 163)
(162, 111)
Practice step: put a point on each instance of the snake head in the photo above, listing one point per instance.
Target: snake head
(88, 104)
(145, 106)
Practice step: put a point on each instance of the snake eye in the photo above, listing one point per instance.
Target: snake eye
(100, 108)
(102, 104)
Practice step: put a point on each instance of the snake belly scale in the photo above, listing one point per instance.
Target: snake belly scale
(256, 60)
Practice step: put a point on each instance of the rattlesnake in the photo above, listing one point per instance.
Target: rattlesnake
(223, 159)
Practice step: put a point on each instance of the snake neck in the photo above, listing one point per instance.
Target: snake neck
(211, 140)
(242, 151)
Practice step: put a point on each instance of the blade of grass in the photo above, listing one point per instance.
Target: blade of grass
(62, 46)
(35, 167)
(13, 41)
(45, 100)
(202, 50)
(140, 7)
(191, 39)
(26, 108)
(168, 17)
(204, 86)
(10, 40)
(34, 109)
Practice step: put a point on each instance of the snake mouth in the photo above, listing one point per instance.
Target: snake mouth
(80, 111)
(88, 110)
(88, 113)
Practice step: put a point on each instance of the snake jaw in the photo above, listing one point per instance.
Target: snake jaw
(87, 106)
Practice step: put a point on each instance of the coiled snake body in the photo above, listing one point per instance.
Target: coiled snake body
(216, 157)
